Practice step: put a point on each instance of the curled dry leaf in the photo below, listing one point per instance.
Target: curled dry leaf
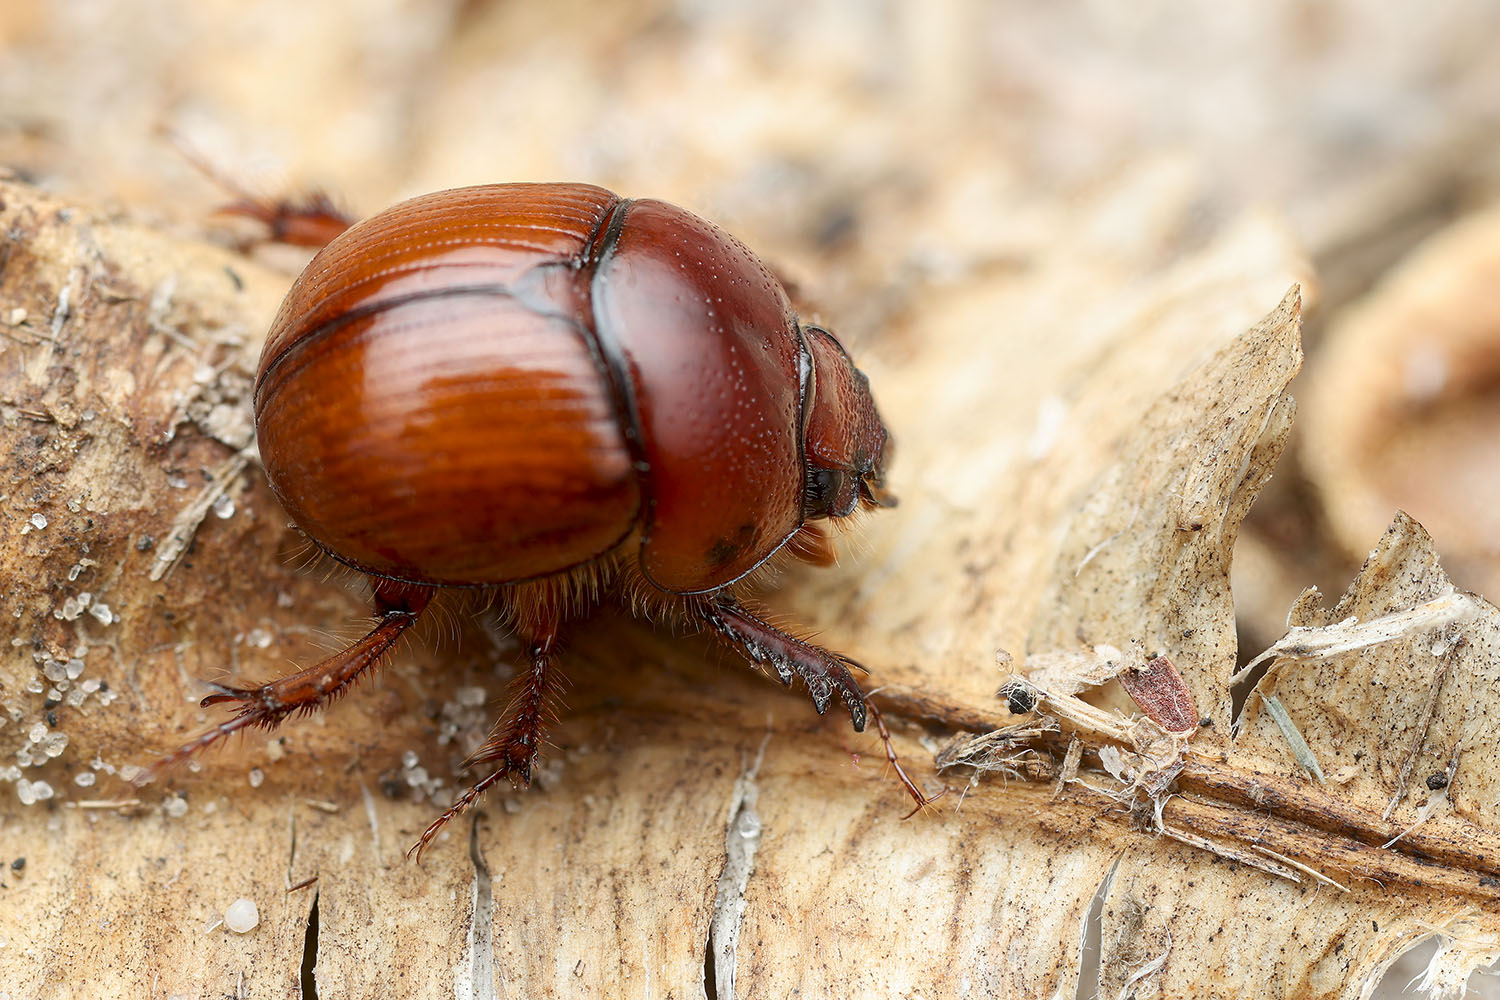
(1077, 446)
(1403, 403)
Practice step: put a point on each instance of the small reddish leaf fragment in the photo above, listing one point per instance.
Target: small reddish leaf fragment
(1162, 694)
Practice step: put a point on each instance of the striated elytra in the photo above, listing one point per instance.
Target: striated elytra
(554, 392)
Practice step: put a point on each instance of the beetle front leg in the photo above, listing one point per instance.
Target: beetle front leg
(763, 644)
(397, 608)
(821, 670)
(516, 741)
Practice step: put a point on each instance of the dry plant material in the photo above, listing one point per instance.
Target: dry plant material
(1161, 693)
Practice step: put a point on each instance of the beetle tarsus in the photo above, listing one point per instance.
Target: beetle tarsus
(825, 673)
(922, 801)
(515, 741)
(307, 691)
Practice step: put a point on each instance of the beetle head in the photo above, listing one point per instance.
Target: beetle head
(846, 444)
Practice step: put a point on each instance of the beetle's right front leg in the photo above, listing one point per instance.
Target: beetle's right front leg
(823, 671)
(397, 608)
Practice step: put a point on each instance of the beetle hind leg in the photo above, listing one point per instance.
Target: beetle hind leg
(397, 608)
(824, 672)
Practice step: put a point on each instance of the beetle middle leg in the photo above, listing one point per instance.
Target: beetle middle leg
(516, 740)
(397, 608)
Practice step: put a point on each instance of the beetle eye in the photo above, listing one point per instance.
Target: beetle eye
(826, 493)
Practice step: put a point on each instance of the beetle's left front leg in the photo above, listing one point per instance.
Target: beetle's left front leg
(824, 672)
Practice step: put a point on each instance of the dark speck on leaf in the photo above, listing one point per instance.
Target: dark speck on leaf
(1021, 700)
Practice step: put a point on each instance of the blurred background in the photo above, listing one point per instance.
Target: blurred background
(886, 157)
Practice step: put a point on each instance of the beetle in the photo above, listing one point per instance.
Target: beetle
(549, 391)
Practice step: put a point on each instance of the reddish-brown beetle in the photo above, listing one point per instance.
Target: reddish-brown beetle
(548, 390)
